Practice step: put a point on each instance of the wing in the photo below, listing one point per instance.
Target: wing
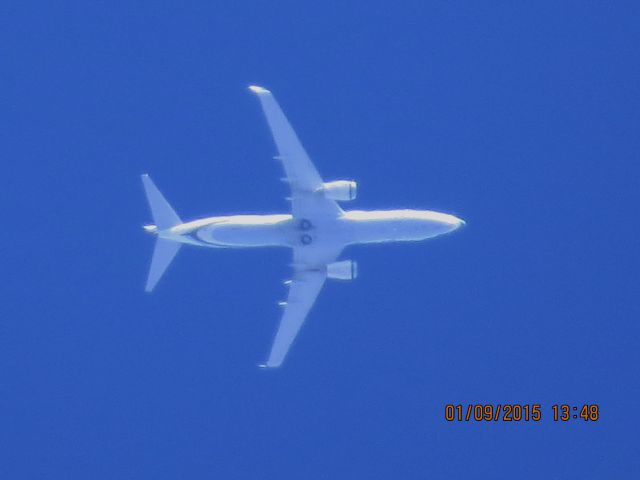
(302, 176)
(310, 273)
(303, 292)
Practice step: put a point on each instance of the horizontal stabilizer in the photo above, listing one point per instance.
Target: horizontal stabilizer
(163, 253)
(163, 214)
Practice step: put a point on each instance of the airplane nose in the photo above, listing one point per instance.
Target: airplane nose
(456, 223)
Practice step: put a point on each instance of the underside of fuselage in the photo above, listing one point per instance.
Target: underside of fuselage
(353, 227)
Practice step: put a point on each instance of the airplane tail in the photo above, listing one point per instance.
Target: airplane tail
(164, 217)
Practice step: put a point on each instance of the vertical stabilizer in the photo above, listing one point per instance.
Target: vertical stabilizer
(163, 215)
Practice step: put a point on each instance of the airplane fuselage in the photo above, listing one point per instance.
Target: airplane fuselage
(352, 227)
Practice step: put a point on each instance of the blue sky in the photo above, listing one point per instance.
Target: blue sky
(521, 118)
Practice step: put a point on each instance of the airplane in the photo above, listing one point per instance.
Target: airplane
(316, 230)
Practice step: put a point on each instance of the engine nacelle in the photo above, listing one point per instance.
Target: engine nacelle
(342, 190)
(344, 270)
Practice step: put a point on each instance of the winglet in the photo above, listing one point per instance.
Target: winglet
(258, 90)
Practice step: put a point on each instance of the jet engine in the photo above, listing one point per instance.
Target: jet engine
(344, 270)
(342, 190)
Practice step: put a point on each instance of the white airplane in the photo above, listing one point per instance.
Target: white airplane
(317, 230)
